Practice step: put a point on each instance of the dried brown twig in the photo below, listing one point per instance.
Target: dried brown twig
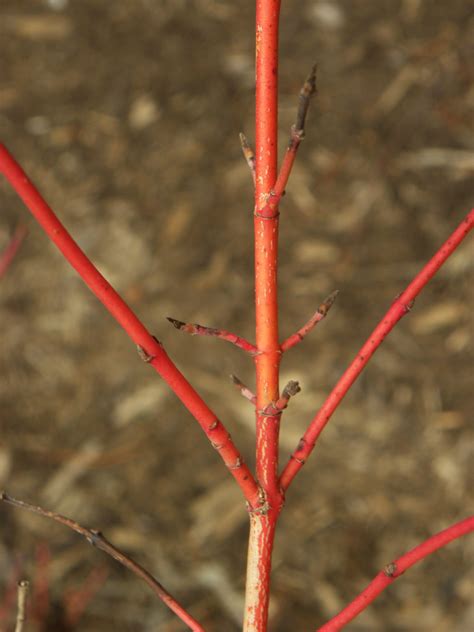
(22, 601)
(96, 538)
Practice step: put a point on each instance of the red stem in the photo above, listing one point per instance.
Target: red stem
(200, 330)
(10, 251)
(273, 199)
(320, 313)
(266, 245)
(213, 428)
(298, 336)
(267, 360)
(266, 242)
(399, 308)
(296, 136)
(393, 570)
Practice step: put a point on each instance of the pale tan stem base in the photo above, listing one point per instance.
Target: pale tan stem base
(259, 561)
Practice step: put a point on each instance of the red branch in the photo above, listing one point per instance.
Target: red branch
(401, 306)
(7, 256)
(393, 570)
(99, 541)
(269, 188)
(200, 330)
(112, 301)
(296, 136)
(267, 361)
(320, 313)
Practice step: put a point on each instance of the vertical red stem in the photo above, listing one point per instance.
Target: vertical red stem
(266, 243)
(263, 520)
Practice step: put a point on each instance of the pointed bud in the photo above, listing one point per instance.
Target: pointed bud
(328, 303)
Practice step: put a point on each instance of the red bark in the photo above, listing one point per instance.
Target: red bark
(154, 351)
(267, 360)
(200, 330)
(318, 316)
(393, 570)
(401, 306)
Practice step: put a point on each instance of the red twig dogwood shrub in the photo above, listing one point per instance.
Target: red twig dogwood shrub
(265, 487)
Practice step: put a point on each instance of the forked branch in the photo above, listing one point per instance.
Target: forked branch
(100, 542)
(392, 571)
(296, 136)
(401, 306)
(152, 349)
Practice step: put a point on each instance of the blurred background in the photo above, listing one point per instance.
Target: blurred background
(126, 115)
